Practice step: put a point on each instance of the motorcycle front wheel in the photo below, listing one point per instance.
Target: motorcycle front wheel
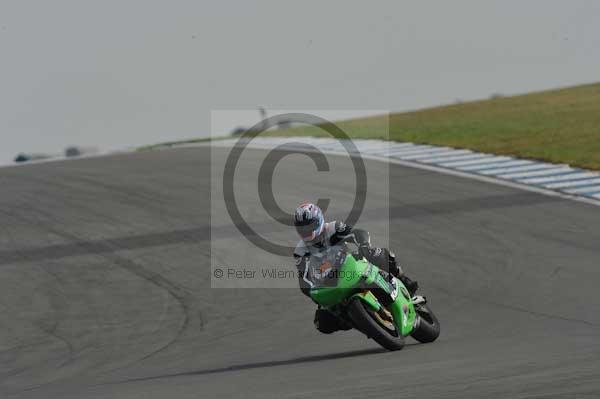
(373, 326)
(427, 326)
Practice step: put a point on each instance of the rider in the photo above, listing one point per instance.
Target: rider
(315, 233)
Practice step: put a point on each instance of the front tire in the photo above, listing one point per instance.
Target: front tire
(427, 327)
(364, 322)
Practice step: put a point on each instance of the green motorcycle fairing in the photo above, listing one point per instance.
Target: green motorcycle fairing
(351, 280)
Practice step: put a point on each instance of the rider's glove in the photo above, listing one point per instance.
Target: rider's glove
(364, 250)
(395, 269)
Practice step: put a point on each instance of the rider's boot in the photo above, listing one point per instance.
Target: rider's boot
(411, 285)
(396, 271)
(327, 322)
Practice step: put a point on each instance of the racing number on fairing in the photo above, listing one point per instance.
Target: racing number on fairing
(394, 293)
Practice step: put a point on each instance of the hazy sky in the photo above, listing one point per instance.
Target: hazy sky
(123, 73)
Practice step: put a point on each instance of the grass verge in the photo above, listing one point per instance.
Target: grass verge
(561, 126)
(179, 142)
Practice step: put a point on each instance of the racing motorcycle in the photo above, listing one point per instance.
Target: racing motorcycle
(364, 297)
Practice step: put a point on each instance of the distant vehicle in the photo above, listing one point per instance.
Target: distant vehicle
(280, 125)
(72, 152)
(284, 124)
(76, 151)
(238, 131)
(23, 157)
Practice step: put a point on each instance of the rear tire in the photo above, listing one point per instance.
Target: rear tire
(427, 327)
(364, 322)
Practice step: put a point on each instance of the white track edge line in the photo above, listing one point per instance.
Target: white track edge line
(453, 172)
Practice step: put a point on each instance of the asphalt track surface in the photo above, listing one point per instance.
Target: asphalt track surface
(105, 291)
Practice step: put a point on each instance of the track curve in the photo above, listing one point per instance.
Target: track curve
(105, 287)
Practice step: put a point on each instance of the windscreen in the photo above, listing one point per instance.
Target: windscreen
(325, 264)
